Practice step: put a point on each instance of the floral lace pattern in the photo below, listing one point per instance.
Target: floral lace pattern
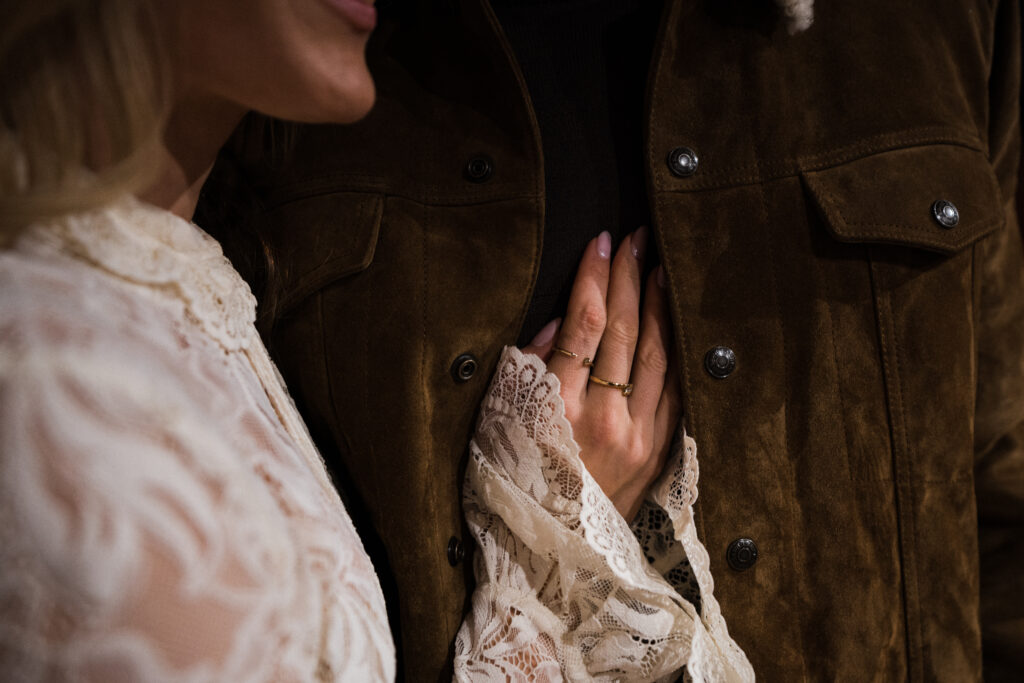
(565, 590)
(168, 254)
(164, 515)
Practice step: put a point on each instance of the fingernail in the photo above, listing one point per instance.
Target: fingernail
(661, 276)
(604, 244)
(547, 333)
(638, 243)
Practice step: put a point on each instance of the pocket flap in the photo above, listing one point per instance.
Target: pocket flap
(319, 239)
(889, 197)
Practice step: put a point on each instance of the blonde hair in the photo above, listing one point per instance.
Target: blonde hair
(84, 95)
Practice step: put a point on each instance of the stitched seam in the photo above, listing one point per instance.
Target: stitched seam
(863, 148)
(474, 200)
(329, 376)
(977, 255)
(793, 166)
(770, 239)
(883, 312)
(324, 186)
(909, 466)
(658, 218)
(962, 478)
(839, 388)
(769, 229)
(440, 560)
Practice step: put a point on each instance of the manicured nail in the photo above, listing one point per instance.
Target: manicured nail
(604, 244)
(661, 276)
(638, 243)
(547, 333)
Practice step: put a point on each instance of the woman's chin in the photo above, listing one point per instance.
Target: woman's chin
(357, 105)
(345, 102)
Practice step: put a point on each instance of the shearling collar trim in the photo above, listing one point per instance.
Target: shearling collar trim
(799, 14)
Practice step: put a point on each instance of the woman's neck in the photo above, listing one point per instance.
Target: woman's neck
(195, 131)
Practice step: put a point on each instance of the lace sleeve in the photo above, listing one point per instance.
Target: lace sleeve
(131, 547)
(564, 588)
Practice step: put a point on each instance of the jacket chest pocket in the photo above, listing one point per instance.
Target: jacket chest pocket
(918, 213)
(316, 241)
(320, 249)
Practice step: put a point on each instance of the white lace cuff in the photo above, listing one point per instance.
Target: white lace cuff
(564, 588)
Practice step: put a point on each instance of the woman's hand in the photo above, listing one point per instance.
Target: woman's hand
(623, 440)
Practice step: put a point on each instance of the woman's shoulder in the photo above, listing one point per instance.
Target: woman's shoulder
(126, 271)
(128, 515)
(112, 404)
(58, 311)
(88, 343)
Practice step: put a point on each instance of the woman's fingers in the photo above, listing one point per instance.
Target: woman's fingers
(614, 360)
(653, 349)
(584, 320)
(623, 442)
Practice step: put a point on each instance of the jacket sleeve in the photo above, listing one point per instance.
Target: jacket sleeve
(999, 419)
(565, 590)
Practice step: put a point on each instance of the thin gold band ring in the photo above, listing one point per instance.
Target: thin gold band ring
(587, 362)
(565, 352)
(625, 388)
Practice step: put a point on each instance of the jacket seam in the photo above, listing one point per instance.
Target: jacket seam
(774, 170)
(670, 14)
(911, 490)
(839, 388)
(287, 194)
(790, 541)
(904, 498)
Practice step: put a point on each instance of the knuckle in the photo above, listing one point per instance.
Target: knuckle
(653, 358)
(622, 330)
(638, 458)
(592, 319)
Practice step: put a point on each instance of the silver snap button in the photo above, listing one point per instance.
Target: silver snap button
(464, 367)
(945, 213)
(720, 362)
(683, 161)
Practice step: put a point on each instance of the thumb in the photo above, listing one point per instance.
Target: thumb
(544, 341)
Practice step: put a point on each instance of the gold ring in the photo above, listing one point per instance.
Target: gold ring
(564, 352)
(587, 363)
(626, 388)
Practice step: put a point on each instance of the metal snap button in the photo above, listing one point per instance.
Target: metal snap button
(456, 551)
(479, 169)
(720, 362)
(742, 554)
(464, 367)
(682, 161)
(945, 213)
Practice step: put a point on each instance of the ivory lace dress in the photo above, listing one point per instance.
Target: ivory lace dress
(164, 515)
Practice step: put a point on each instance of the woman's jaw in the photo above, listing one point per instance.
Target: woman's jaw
(300, 61)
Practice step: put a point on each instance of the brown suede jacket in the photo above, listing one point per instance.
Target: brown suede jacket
(869, 440)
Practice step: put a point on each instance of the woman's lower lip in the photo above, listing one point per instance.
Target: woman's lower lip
(360, 14)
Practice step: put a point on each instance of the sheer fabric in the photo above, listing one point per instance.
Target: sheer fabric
(565, 589)
(163, 513)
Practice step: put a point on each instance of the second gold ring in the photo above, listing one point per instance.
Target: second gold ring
(626, 388)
